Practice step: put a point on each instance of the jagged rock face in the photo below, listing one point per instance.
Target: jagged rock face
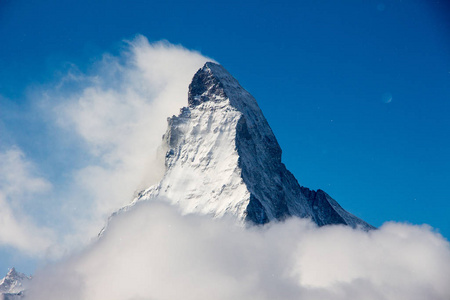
(223, 158)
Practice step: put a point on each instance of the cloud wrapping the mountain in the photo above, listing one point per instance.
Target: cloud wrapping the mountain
(154, 252)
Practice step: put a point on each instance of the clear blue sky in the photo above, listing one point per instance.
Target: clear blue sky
(357, 92)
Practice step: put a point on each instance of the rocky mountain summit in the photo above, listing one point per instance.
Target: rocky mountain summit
(223, 158)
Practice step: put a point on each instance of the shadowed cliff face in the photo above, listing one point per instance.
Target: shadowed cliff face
(223, 158)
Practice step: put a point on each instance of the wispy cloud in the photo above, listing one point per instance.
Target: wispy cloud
(19, 183)
(119, 116)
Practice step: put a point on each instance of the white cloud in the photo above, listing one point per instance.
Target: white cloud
(153, 252)
(19, 184)
(117, 113)
(19, 176)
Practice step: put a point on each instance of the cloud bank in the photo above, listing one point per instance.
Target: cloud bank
(153, 252)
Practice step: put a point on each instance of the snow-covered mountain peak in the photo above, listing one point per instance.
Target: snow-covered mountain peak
(223, 158)
(14, 282)
(214, 83)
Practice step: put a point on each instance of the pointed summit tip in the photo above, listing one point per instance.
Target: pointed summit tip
(218, 71)
(206, 84)
(213, 82)
(214, 68)
(12, 271)
(209, 64)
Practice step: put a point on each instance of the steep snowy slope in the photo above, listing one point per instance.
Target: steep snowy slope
(223, 158)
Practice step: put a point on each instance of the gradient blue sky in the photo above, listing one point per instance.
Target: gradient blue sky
(321, 71)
